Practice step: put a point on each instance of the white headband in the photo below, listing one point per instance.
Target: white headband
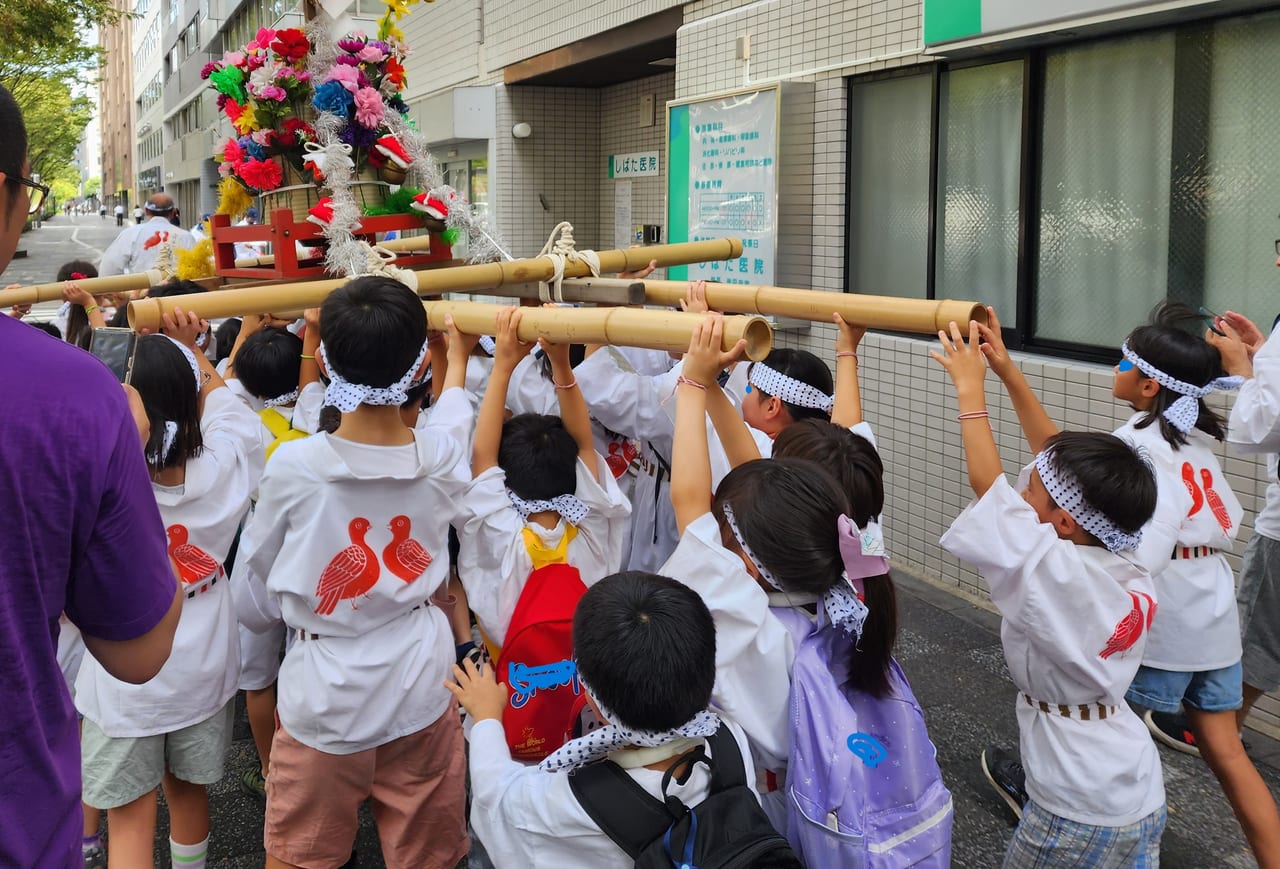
(346, 396)
(191, 359)
(1067, 494)
(568, 506)
(488, 344)
(598, 743)
(788, 389)
(1184, 412)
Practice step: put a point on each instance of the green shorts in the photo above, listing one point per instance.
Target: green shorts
(118, 770)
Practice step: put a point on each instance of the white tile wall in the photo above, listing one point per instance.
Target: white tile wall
(519, 29)
(448, 47)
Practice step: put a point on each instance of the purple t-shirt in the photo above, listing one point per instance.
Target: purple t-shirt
(79, 532)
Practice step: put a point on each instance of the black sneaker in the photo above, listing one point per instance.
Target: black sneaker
(1006, 775)
(253, 783)
(1171, 728)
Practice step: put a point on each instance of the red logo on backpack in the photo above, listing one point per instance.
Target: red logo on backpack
(536, 662)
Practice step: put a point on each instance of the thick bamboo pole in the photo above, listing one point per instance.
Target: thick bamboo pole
(925, 316)
(627, 327)
(145, 314)
(107, 286)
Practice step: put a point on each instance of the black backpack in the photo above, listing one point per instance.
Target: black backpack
(727, 830)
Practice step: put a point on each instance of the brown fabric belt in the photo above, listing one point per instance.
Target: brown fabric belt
(1080, 712)
(304, 635)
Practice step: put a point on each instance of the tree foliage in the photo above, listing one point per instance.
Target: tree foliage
(48, 65)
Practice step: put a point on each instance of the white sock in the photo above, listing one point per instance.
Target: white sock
(189, 856)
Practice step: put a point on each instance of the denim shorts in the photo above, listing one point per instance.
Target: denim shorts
(1208, 690)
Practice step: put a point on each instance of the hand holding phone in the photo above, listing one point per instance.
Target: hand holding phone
(1211, 319)
(116, 348)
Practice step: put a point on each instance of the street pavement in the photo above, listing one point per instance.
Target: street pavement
(948, 647)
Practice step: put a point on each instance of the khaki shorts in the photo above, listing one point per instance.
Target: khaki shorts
(119, 769)
(416, 784)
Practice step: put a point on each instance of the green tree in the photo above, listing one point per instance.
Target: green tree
(93, 186)
(46, 39)
(55, 120)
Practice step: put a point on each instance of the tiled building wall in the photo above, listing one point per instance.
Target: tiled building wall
(621, 133)
(449, 43)
(553, 175)
(907, 397)
(519, 29)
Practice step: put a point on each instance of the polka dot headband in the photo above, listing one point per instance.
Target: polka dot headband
(568, 506)
(788, 389)
(281, 400)
(1066, 493)
(1184, 412)
(191, 359)
(346, 396)
(862, 554)
(597, 744)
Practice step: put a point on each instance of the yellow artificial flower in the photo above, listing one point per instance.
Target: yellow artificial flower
(196, 262)
(233, 198)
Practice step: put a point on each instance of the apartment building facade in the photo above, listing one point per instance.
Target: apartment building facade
(115, 111)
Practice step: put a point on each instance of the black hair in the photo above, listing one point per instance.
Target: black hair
(805, 367)
(175, 287)
(330, 419)
(372, 329)
(120, 319)
(646, 645)
(539, 456)
(13, 138)
(78, 329)
(1167, 344)
(849, 457)
(577, 353)
(1114, 479)
(418, 395)
(788, 511)
(162, 375)
(48, 329)
(225, 337)
(268, 362)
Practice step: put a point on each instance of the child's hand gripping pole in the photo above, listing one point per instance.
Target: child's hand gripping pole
(967, 365)
(507, 353)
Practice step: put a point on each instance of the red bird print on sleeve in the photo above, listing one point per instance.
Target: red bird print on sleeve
(404, 556)
(193, 563)
(1129, 629)
(1189, 479)
(1215, 500)
(351, 573)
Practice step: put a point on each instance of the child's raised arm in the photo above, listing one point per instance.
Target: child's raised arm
(731, 428)
(848, 407)
(968, 368)
(77, 295)
(1037, 427)
(573, 407)
(690, 459)
(453, 368)
(309, 370)
(508, 352)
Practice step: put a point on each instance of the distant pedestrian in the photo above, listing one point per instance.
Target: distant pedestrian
(102, 211)
(135, 250)
(137, 214)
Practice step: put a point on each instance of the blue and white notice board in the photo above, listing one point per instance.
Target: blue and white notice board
(722, 181)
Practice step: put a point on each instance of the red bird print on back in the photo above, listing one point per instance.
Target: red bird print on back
(352, 572)
(158, 239)
(1215, 500)
(404, 556)
(194, 564)
(620, 457)
(1189, 479)
(1129, 629)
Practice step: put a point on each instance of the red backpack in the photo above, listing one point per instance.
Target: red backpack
(545, 697)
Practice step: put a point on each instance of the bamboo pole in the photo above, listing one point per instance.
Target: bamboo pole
(627, 327)
(108, 286)
(145, 314)
(925, 316)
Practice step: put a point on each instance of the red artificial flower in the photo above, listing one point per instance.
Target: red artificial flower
(261, 175)
(233, 110)
(395, 71)
(291, 45)
(232, 152)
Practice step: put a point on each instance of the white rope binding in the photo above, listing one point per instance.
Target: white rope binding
(560, 251)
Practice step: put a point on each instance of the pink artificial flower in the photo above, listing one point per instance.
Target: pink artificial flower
(347, 76)
(233, 58)
(369, 108)
(265, 37)
(370, 54)
(262, 137)
(272, 92)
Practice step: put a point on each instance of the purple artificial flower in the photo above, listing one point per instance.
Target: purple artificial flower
(348, 60)
(207, 69)
(357, 136)
(351, 44)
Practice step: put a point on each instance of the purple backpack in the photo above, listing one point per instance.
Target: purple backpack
(863, 784)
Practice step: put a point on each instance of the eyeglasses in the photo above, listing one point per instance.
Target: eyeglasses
(1278, 247)
(42, 190)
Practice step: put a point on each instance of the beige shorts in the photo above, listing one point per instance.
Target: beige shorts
(119, 769)
(416, 785)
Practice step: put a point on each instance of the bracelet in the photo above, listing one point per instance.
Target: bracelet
(572, 384)
(305, 356)
(847, 354)
(974, 414)
(684, 381)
